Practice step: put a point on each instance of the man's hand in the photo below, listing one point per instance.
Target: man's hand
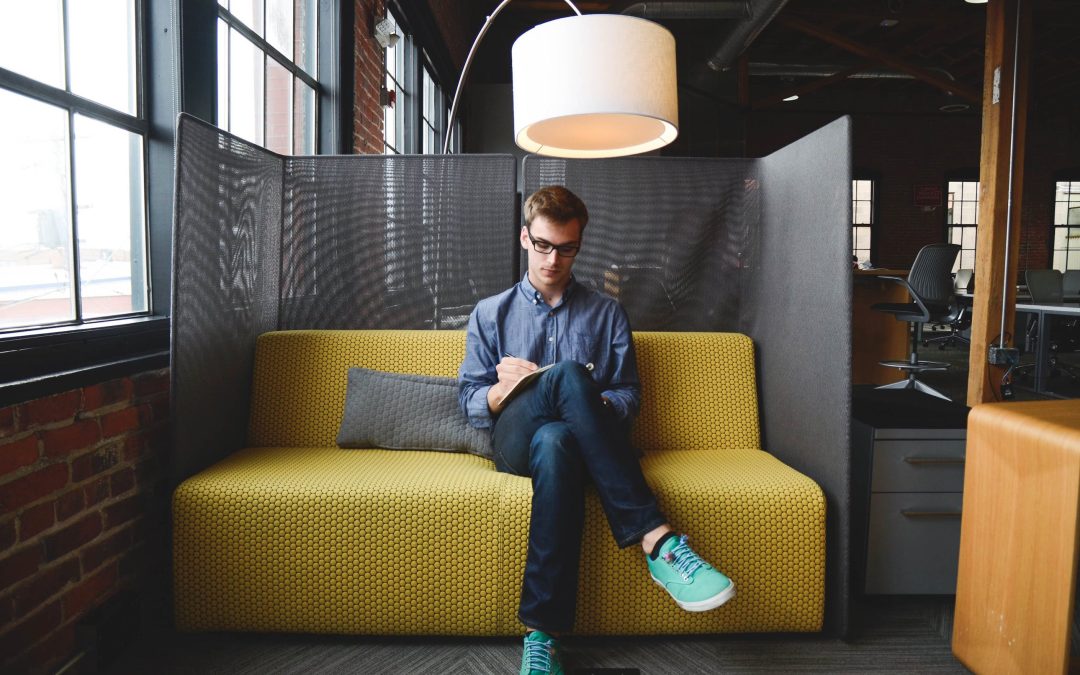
(510, 370)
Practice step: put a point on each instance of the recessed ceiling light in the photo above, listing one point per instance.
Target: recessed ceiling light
(888, 23)
(975, 2)
(954, 107)
(793, 97)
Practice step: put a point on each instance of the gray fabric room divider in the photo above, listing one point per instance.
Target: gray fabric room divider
(797, 308)
(758, 246)
(667, 237)
(264, 242)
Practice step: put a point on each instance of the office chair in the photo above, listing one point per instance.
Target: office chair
(930, 286)
(959, 317)
(1047, 287)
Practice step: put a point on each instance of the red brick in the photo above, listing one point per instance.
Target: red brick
(107, 393)
(7, 534)
(17, 454)
(59, 544)
(52, 408)
(128, 419)
(69, 504)
(66, 440)
(49, 654)
(32, 487)
(94, 463)
(35, 519)
(98, 552)
(122, 481)
(31, 629)
(90, 592)
(9, 421)
(122, 511)
(96, 491)
(45, 584)
(151, 383)
(134, 445)
(20, 564)
(159, 408)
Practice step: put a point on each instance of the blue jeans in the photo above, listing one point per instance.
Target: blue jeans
(558, 433)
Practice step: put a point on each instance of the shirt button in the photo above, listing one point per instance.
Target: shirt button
(551, 339)
(551, 313)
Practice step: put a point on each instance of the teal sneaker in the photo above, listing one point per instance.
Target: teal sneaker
(541, 656)
(695, 584)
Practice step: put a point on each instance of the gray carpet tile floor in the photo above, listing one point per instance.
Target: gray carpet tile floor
(897, 635)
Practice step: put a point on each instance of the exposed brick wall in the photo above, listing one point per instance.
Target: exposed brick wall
(81, 510)
(904, 151)
(368, 62)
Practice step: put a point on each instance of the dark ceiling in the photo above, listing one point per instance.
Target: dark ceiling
(869, 56)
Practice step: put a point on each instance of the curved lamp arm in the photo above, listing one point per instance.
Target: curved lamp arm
(468, 64)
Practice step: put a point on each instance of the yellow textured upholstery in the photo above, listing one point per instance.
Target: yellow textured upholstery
(295, 534)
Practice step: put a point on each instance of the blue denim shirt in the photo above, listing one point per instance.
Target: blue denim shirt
(585, 326)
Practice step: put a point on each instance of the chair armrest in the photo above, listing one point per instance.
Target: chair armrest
(904, 282)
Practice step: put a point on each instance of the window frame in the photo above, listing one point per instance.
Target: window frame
(961, 176)
(295, 70)
(178, 71)
(1061, 176)
(135, 123)
(875, 181)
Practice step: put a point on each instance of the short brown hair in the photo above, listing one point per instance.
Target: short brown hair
(557, 204)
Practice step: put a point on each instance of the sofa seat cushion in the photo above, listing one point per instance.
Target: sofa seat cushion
(328, 540)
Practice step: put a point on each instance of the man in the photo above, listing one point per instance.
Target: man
(569, 426)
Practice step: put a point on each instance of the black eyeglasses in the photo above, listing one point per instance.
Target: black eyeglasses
(545, 247)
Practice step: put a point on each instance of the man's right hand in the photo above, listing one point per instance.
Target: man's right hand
(510, 370)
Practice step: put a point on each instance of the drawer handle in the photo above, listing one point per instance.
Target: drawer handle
(935, 460)
(929, 514)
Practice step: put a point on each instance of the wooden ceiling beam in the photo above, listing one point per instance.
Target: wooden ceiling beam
(867, 52)
(807, 88)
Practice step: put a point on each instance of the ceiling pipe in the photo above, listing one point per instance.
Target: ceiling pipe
(744, 33)
(801, 70)
(724, 9)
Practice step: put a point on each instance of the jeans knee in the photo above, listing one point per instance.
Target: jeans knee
(571, 375)
(554, 448)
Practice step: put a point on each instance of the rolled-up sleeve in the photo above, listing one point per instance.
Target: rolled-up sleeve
(624, 388)
(477, 372)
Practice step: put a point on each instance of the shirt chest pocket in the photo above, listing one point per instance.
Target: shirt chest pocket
(582, 347)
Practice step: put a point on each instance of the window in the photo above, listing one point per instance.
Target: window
(862, 209)
(398, 96)
(73, 137)
(434, 117)
(267, 56)
(962, 220)
(1066, 252)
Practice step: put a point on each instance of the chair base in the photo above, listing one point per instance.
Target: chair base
(916, 366)
(948, 340)
(912, 383)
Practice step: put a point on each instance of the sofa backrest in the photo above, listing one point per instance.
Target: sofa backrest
(698, 389)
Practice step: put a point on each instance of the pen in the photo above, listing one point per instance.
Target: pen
(588, 366)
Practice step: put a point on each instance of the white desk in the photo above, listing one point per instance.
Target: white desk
(1042, 344)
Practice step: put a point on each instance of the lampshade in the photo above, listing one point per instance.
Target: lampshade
(596, 85)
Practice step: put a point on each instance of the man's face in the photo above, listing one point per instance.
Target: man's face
(550, 271)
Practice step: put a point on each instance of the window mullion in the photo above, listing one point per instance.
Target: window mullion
(74, 276)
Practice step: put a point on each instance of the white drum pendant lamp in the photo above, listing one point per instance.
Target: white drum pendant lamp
(596, 85)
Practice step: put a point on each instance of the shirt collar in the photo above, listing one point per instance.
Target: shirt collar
(534, 296)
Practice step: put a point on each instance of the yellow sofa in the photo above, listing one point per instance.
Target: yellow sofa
(295, 534)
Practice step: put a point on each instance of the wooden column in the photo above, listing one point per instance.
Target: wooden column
(992, 285)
